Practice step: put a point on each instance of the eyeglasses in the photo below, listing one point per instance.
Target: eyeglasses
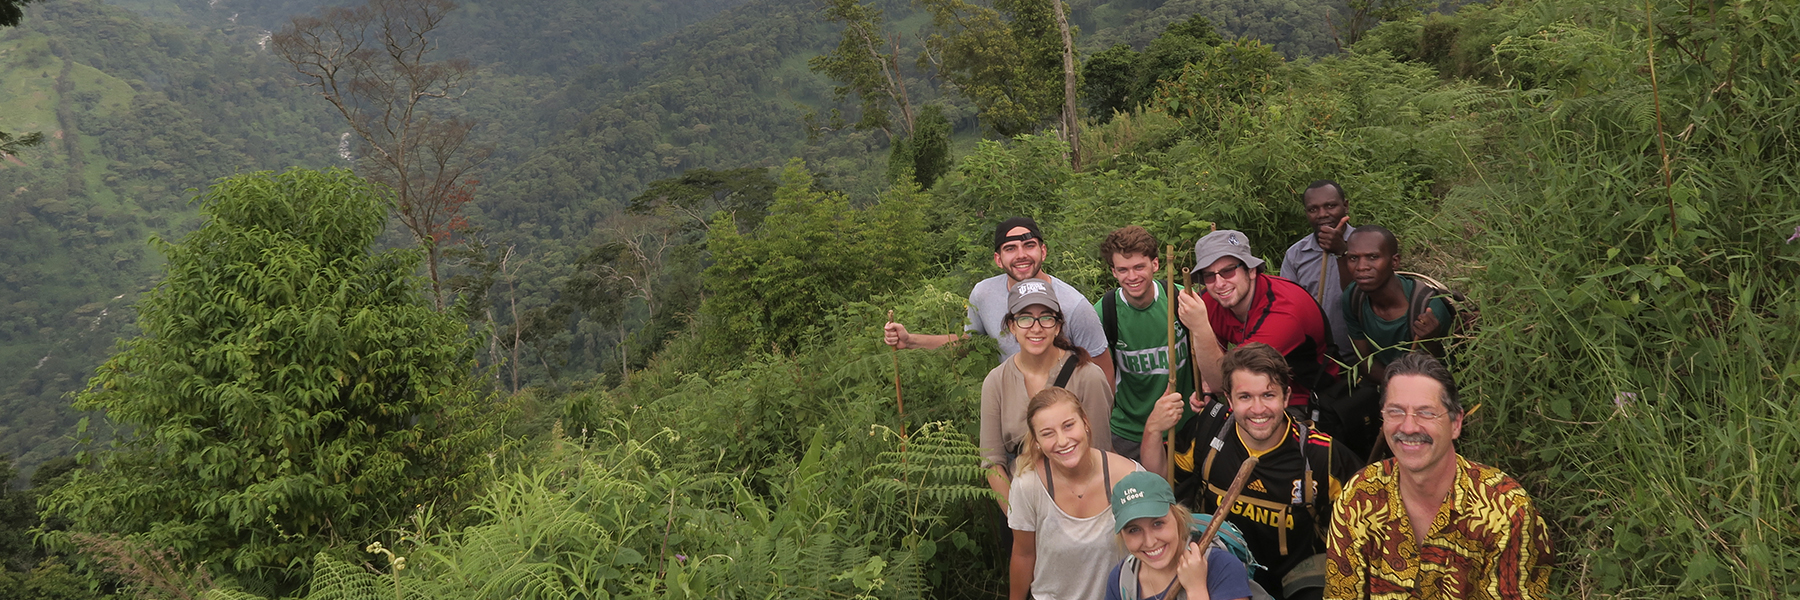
(1207, 277)
(1397, 414)
(1026, 321)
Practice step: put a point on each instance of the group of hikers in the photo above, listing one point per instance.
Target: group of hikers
(1247, 368)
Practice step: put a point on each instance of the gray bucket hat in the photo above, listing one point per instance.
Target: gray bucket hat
(1029, 292)
(1222, 243)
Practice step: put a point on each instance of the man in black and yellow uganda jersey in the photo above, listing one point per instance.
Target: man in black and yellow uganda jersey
(1285, 508)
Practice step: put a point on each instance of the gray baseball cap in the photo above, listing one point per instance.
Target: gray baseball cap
(1029, 292)
(1222, 243)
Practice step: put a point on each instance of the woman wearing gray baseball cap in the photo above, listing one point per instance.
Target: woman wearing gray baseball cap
(1046, 358)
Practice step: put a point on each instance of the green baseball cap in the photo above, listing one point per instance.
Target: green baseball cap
(1138, 495)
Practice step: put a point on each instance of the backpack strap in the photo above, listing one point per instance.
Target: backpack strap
(1068, 370)
(1128, 581)
(1357, 297)
(1306, 491)
(1109, 321)
(1419, 302)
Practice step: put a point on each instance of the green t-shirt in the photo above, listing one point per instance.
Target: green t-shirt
(1388, 337)
(1141, 359)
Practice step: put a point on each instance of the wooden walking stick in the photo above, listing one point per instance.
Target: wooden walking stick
(1187, 276)
(1169, 436)
(1218, 518)
(898, 403)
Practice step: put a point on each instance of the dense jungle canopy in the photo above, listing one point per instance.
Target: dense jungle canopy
(656, 369)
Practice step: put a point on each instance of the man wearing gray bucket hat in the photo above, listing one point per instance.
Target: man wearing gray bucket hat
(1242, 305)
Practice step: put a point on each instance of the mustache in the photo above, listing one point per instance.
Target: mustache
(1412, 438)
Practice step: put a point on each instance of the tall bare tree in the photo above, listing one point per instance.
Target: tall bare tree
(375, 63)
(867, 63)
(1071, 119)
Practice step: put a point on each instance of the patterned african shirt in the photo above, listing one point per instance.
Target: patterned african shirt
(1487, 540)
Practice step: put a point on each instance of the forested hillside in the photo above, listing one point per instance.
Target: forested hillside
(661, 88)
(136, 113)
(139, 111)
(660, 373)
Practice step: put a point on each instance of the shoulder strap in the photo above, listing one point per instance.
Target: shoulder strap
(1357, 297)
(1306, 488)
(1212, 451)
(1128, 583)
(1320, 524)
(1049, 482)
(1068, 370)
(1106, 471)
(1109, 319)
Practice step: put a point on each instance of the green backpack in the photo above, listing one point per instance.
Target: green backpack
(1229, 538)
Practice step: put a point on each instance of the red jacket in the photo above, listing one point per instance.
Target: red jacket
(1286, 318)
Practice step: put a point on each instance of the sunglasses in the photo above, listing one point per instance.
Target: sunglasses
(1207, 277)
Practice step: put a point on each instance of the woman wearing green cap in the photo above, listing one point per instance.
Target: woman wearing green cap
(1062, 529)
(1155, 530)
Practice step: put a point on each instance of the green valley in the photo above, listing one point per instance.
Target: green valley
(657, 368)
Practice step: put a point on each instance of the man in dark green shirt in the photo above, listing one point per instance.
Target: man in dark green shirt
(1380, 319)
(1136, 319)
(1388, 315)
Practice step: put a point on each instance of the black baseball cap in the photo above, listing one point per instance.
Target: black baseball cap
(1033, 233)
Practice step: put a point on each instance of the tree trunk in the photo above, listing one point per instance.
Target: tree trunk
(431, 266)
(1071, 118)
(898, 80)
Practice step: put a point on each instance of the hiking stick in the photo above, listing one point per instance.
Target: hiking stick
(1324, 272)
(1187, 275)
(898, 403)
(1169, 436)
(1218, 518)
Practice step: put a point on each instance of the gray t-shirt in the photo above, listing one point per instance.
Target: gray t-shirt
(987, 316)
(1301, 265)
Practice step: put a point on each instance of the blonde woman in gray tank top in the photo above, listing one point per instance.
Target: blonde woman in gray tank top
(1062, 523)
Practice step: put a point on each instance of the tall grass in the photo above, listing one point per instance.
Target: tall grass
(1642, 375)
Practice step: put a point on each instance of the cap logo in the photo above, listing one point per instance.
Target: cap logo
(1032, 287)
(1130, 494)
(1231, 239)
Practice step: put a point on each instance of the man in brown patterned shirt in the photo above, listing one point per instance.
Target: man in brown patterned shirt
(1427, 523)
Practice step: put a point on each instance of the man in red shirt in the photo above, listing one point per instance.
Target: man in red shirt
(1243, 305)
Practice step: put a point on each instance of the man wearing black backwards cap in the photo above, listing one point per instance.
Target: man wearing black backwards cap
(1019, 250)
